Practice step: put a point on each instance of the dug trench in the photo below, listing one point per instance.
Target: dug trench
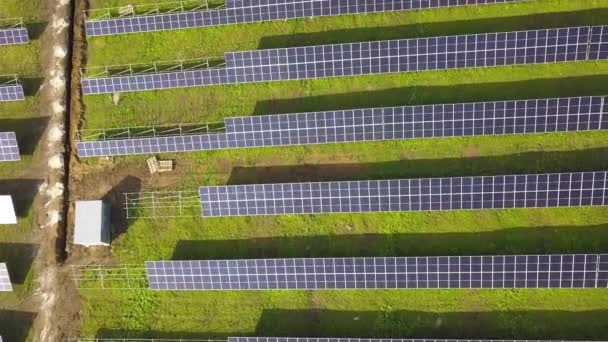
(56, 310)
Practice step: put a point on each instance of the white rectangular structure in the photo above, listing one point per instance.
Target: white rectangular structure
(92, 223)
(5, 280)
(7, 210)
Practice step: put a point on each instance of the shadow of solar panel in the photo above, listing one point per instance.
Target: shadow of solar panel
(237, 12)
(14, 36)
(9, 151)
(424, 194)
(365, 58)
(11, 93)
(435, 272)
(571, 114)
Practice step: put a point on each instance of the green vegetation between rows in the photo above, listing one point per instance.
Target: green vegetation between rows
(22, 61)
(27, 120)
(214, 41)
(545, 314)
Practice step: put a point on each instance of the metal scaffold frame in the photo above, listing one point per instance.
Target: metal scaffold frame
(155, 131)
(104, 277)
(160, 67)
(151, 9)
(162, 204)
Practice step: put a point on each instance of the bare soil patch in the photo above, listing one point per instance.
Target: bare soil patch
(471, 152)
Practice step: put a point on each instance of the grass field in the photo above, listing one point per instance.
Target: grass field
(26, 119)
(557, 314)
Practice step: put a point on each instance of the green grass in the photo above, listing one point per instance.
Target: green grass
(214, 41)
(26, 119)
(545, 314)
(22, 61)
(209, 104)
(432, 313)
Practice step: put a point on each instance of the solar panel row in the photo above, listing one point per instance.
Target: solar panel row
(9, 151)
(455, 272)
(237, 12)
(14, 36)
(477, 50)
(11, 93)
(384, 5)
(333, 339)
(406, 55)
(455, 193)
(425, 121)
(5, 281)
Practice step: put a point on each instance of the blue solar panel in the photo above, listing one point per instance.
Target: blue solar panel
(598, 46)
(426, 121)
(406, 55)
(9, 151)
(466, 51)
(12, 36)
(333, 339)
(397, 195)
(5, 280)
(435, 272)
(12, 92)
(237, 12)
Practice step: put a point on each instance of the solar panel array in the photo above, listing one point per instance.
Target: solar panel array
(424, 121)
(391, 56)
(341, 339)
(424, 194)
(9, 151)
(12, 92)
(453, 272)
(5, 281)
(237, 12)
(12, 36)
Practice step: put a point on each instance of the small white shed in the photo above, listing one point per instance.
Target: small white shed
(92, 226)
(7, 211)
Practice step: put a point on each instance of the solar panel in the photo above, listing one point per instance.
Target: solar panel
(406, 55)
(598, 46)
(435, 272)
(418, 54)
(9, 151)
(388, 123)
(237, 12)
(423, 121)
(12, 36)
(12, 92)
(333, 339)
(424, 194)
(5, 281)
